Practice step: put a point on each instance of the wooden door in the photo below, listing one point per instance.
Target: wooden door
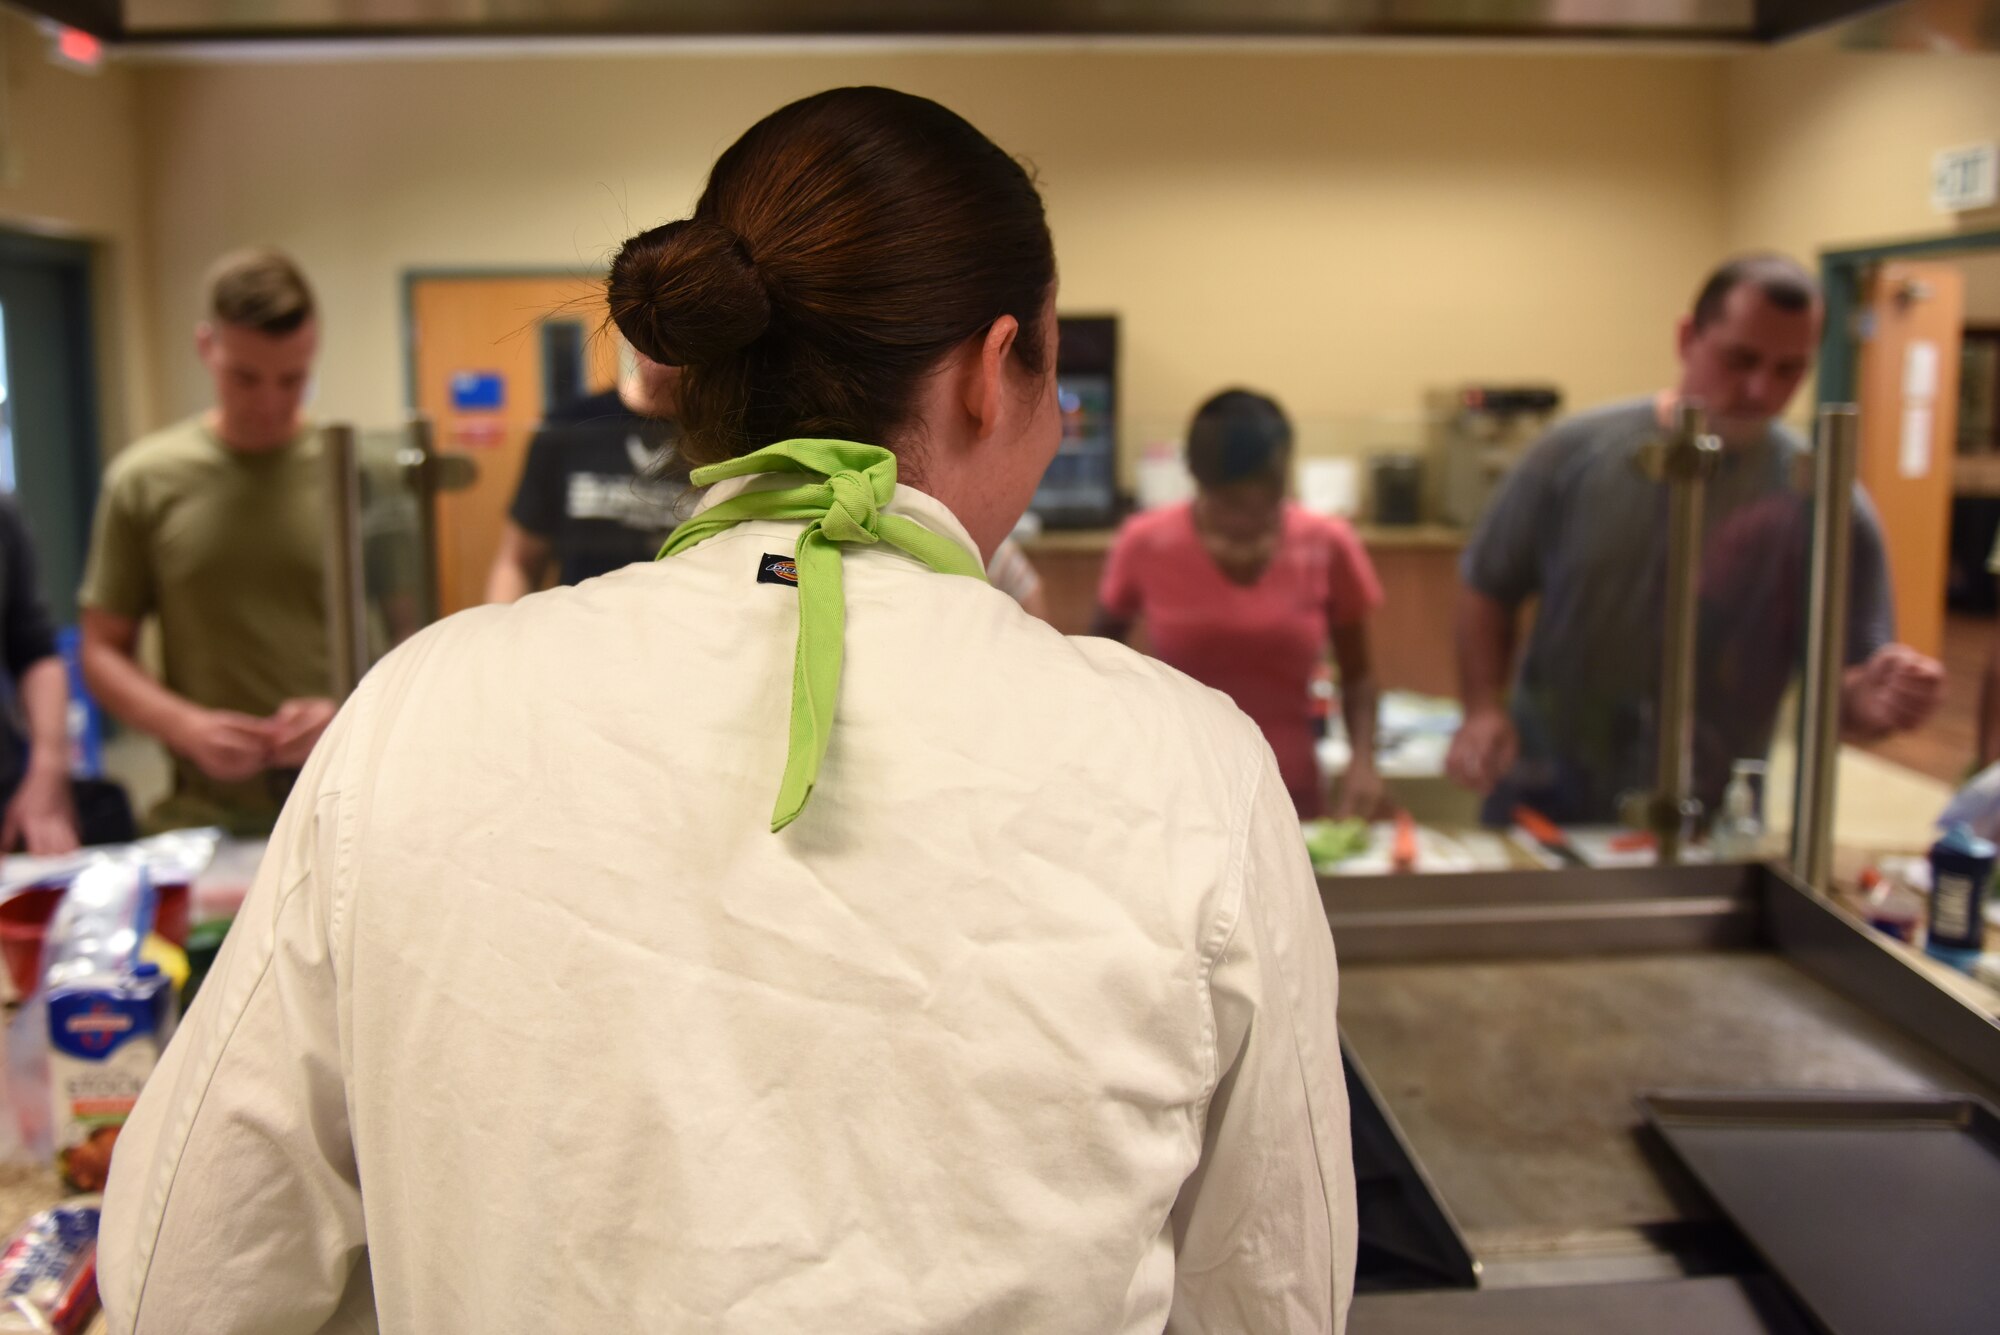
(1909, 429)
(491, 327)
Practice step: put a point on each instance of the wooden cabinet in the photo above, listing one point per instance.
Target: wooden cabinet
(1070, 569)
(1412, 631)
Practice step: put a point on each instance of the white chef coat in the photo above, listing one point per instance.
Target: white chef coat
(531, 1023)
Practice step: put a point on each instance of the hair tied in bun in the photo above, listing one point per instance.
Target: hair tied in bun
(843, 247)
(688, 293)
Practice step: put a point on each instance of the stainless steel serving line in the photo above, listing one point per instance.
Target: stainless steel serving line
(1682, 463)
(1503, 1024)
(1836, 452)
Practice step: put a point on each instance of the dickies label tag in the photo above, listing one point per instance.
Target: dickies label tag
(773, 569)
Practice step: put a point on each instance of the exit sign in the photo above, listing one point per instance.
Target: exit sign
(1965, 178)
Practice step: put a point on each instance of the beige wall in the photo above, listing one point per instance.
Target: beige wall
(69, 166)
(1340, 228)
(1830, 148)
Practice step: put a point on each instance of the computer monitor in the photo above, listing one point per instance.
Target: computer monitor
(1080, 488)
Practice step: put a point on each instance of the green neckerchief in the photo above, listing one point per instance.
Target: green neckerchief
(841, 499)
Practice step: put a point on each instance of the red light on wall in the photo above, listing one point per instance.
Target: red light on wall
(78, 48)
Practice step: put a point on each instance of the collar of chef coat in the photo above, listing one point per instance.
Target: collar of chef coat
(908, 502)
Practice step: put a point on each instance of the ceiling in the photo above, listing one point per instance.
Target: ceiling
(1741, 21)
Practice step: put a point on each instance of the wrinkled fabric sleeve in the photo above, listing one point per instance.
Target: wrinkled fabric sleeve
(539, 500)
(1118, 590)
(118, 573)
(1503, 558)
(234, 1204)
(1871, 599)
(1354, 590)
(27, 635)
(1265, 1229)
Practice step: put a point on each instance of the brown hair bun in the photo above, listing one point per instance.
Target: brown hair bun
(688, 293)
(843, 246)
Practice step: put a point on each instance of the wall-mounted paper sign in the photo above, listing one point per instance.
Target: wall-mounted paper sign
(1920, 371)
(478, 391)
(1914, 459)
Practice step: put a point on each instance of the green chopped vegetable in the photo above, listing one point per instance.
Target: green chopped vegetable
(1331, 841)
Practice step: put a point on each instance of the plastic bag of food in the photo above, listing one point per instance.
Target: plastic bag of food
(48, 1271)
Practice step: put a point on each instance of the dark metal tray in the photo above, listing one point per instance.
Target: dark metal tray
(1706, 1305)
(1878, 1211)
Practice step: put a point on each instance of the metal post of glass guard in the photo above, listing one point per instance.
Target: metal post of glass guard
(420, 475)
(1683, 461)
(1834, 459)
(429, 474)
(346, 598)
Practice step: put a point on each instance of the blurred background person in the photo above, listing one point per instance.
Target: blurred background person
(42, 810)
(597, 491)
(215, 528)
(1246, 591)
(1580, 527)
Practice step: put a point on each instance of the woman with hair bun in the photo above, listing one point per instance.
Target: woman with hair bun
(791, 934)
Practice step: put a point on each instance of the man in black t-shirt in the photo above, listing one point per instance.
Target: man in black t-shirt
(592, 499)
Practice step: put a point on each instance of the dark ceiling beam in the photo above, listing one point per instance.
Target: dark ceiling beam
(1775, 21)
(103, 19)
(1779, 19)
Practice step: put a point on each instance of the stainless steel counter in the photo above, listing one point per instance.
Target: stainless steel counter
(1513, 1080)
(1503, 1023)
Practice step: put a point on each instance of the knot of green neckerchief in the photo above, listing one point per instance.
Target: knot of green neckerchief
(840, 491)
(854, 514)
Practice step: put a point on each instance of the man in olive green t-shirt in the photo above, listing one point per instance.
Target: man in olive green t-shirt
(215, 526)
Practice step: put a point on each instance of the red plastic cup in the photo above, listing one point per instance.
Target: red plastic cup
(24, 921)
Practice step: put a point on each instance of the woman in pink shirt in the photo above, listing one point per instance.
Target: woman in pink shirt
(1244, 591)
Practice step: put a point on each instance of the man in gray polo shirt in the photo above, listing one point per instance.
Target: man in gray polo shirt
(1580, 528)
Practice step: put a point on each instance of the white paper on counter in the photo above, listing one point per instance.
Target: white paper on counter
(1435, 852)
(1331, 487)
(1163, 480)
(1598, 846)
(1914, 458)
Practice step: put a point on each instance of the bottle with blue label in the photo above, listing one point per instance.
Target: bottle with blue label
(1961, 867)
